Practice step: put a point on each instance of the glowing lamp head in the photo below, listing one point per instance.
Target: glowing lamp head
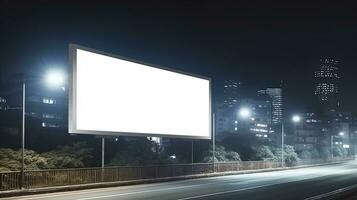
(341, 133)
(296, 118)
(244, 113)
(55, 78)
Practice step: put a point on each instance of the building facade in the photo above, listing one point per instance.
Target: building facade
(226, 107)
(259, 120)
(275, 95)
(327, 83)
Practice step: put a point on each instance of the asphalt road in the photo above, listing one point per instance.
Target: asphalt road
(303, 183)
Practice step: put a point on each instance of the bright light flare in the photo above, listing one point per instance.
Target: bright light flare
(55, 78)
(244, 113)
(296, 118)
(341, 133)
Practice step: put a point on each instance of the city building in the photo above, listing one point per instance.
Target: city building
(327, 83)
(341, 125)
(275, 95)
(258, 119)
(309, 132)
(47, 111)
(226, 107)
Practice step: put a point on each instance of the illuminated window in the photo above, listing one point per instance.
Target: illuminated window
(48, 101)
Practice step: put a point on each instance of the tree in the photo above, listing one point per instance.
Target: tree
(72, 156)
(222, 155)
(242, 143)
(10, 160)
(139, 151)
(264, 153)
(339, 151)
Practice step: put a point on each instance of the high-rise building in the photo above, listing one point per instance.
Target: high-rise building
(226, 107)
(327, 83)
(230, 93)
(259, 120)
(309, 132)
(275, 95)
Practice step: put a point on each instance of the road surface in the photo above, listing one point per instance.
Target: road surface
(304, 183)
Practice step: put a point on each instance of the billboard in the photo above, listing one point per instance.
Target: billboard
(112, 95)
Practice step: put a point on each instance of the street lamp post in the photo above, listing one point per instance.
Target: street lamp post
(282, 143)
(296, 119)
(23, 135)
(53, 78)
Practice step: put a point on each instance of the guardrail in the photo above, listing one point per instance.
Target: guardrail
(63, 177)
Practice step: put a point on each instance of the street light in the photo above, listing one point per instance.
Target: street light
(341, 133)
(54, 79)
(245, 113)
(296, 118)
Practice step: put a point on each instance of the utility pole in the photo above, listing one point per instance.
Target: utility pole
(103, 150)
(282, 144)
(22, 184)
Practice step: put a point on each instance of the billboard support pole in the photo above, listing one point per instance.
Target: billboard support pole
(213, 143)
(103, 147)
(191, 156)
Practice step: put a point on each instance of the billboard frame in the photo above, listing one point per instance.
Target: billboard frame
(72, 109)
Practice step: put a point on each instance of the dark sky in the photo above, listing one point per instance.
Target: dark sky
(259, 43)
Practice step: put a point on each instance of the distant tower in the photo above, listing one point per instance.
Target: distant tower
(275, 95)
(230, 93)
(327, 83)
(226, 107)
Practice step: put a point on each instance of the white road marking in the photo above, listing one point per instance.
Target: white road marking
(138, 192)
(321, 196)
(225, 192)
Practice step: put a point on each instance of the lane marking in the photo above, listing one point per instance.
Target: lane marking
(332, 193)
(138, 192)
(226, 192)
(88, 192)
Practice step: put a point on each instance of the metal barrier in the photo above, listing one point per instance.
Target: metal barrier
(62, 177)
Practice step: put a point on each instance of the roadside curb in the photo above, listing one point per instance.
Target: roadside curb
(12, 193)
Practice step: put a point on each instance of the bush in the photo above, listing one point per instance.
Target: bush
(222, 155)
(140, 151)
(10, 160)
(267, 153)
(72, 156)
(264, 153)
(339, 151)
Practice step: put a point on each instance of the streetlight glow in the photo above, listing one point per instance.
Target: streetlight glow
(296, 118)
(244, 113)
(341, 133)
(55, 78)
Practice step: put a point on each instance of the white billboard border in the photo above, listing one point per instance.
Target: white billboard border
(72, 111)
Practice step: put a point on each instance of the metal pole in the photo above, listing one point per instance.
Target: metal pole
(331, 146)
(23, 135)
(192, 151)
(282, 144)
(214, 142)
(103, 143)
(191, 156)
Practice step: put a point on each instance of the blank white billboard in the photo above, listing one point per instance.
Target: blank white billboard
(111, 95)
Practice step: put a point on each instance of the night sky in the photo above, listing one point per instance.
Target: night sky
(259, 43)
